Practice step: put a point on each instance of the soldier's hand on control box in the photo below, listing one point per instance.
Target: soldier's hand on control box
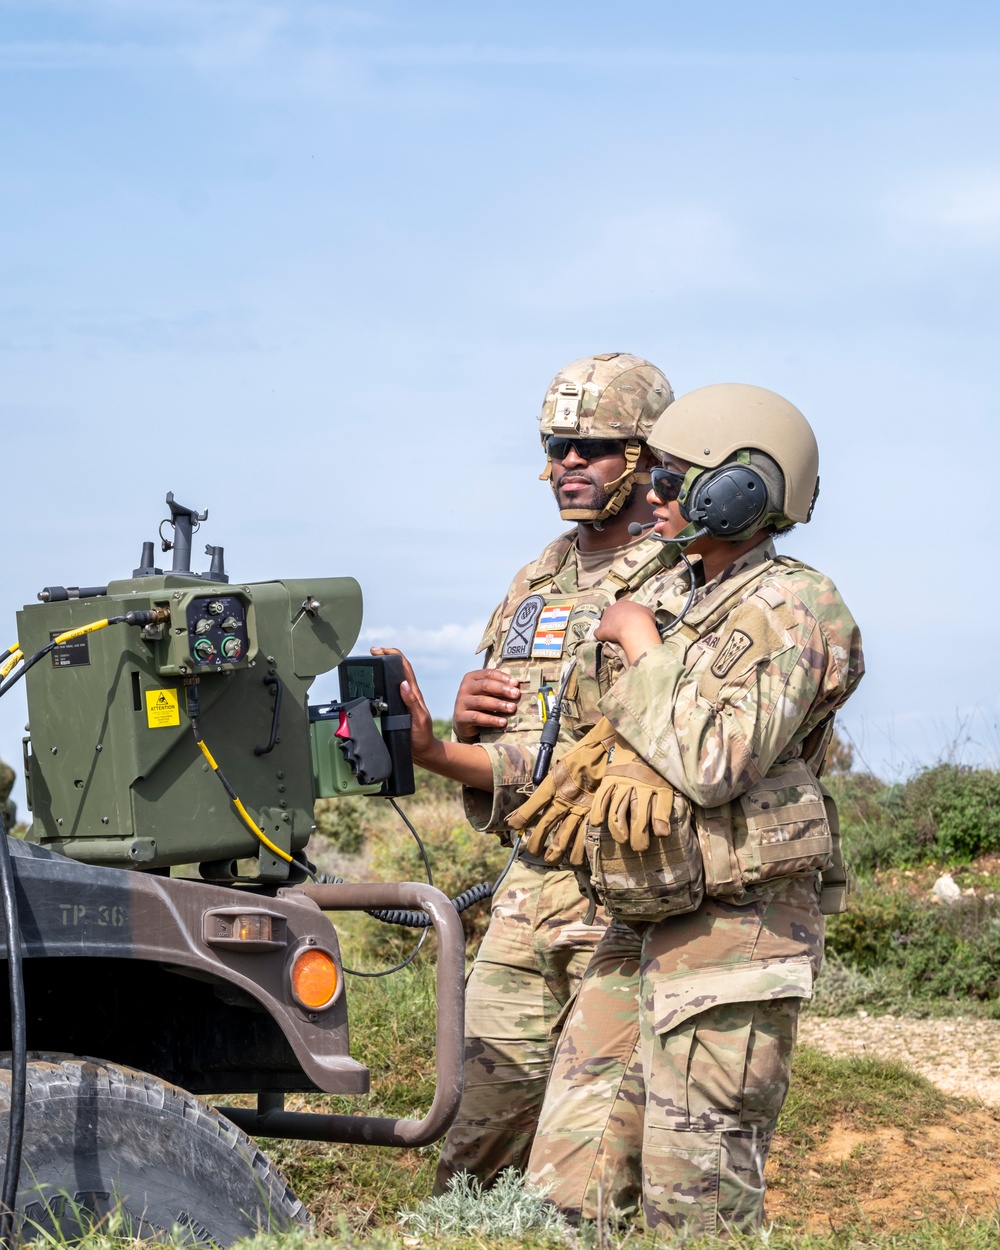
(464, 762)
(423, 743)
(485, 699)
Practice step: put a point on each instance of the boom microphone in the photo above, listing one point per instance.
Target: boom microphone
(681, 540)
(635, 529)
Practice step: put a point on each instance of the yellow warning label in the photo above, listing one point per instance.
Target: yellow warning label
(162, 710)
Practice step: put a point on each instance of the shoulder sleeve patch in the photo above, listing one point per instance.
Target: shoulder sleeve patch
(521, 634)
(732, 650)
(752, 635)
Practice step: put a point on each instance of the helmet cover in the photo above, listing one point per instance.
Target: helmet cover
(615, 395)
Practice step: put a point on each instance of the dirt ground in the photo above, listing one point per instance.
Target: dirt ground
(887, 1177)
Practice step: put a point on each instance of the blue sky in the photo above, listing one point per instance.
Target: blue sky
(312, 266)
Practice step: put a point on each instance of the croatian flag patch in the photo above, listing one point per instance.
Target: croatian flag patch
(550, 632)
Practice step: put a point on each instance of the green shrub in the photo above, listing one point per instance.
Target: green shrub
(906, 950)
(343, 821)
(947, 813)
(508, 1209)
(873, 930)
(867, 820)
(954, 812)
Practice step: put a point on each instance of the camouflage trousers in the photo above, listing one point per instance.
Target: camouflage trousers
(589, 1141)
(523, 981)
(719, 992)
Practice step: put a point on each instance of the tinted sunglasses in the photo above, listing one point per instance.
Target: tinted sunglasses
(585, 448)
(666, 484)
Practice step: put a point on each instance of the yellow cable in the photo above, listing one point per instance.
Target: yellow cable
(275, 850)
(244, 814)
(13, 662)
(70, 634)
(208, 755)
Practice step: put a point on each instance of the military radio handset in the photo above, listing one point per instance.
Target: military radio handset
(550, 733)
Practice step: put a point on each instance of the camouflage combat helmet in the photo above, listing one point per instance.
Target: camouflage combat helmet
(610, 396)
(717, 425)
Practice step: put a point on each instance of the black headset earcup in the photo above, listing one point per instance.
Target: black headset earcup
(726, 501)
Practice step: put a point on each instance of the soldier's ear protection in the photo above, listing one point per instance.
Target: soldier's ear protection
(725, 501)
(722, 502)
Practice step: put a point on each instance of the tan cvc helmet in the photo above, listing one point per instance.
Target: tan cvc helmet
(733, 422)
(610, 396)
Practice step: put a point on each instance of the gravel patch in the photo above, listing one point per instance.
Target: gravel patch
(961, 1056)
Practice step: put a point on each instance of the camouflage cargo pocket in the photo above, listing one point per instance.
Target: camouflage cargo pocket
(781, 827)
(665, 880)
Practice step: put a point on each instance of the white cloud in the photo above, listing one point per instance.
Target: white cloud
(448, 640)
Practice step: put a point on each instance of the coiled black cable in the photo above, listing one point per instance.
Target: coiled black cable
(19, 1050)
(420, 919)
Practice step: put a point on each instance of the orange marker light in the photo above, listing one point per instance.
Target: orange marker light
(314, 979)
(253, 928)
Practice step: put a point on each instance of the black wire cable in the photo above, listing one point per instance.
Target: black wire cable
(416, 836)
(40, 654)
(19, 1051)
(355, 972)
(461, 902)
(675, 623)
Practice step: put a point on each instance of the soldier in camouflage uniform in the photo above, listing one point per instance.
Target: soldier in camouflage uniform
(706, 826)
(7, 805)
(594, 422)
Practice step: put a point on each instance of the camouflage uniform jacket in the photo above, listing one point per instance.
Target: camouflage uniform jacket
(715, 717)
(543, 623)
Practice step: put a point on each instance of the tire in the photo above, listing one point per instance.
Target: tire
(102, 1140)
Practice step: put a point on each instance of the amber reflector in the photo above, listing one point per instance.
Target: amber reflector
(314, 978)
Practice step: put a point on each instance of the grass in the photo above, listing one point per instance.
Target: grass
(955, 1234)
(866, 1092)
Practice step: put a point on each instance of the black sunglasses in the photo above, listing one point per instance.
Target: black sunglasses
(666, 484)
(585, 448)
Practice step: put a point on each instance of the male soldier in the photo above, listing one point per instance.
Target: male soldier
(7, 805)
(706, 826)
(594, 422)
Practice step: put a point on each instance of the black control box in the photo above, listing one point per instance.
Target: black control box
(377, 678)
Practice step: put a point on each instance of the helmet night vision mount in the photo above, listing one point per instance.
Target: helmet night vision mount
(114, 773)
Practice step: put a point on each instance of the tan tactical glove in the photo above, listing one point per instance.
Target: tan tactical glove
(558, 810)
(632, 799)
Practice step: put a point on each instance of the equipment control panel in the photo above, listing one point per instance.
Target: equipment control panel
(217, 630)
